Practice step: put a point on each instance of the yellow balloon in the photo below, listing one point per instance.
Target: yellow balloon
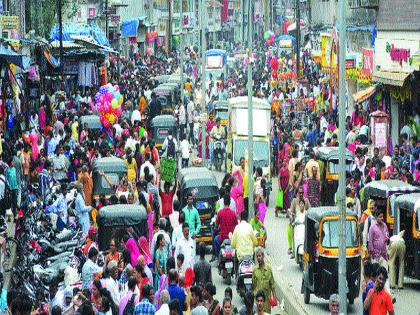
(120, 100)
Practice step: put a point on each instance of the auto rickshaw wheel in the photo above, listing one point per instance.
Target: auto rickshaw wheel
(307, 294)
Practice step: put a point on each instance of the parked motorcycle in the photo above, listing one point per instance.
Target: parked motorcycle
(226, 258)
(244, 280)
(298, 240)
(218, 152)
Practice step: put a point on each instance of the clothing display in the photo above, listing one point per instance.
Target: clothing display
(88, 74)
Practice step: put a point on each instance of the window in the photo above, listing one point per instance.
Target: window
(334, 169)
(261, 152)
(330, 234)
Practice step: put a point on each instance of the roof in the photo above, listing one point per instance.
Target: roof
(407, 201)
(317, 213)
(161, 78)
(221, 104)
(196, 173)
(165, 87)
(56, 44)
(92, 121)
(110, 163)
(242, 102)
(390, 78)
(398, 15)
(364, 94)
(332, 153)
(70, 29)
(123, 215)
(13, 57)
(163, 120)
(387, 187)
(216, 4)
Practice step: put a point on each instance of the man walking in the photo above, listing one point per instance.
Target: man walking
(378, 300)
(186, 246)
(263, 280)
(192, 218)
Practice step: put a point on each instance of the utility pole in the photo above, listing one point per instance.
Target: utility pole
(342, 278)
(60, 30)
(182, 51)
(298, 39)
(106, 18)
(203, 79)
(250, 107)
(170, 25)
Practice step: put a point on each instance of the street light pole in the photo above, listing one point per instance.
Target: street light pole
(203, 79)
(250, 125)
(342, 278)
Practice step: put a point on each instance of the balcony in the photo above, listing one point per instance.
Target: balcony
(367, 4)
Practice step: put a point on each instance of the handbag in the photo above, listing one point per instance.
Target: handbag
(280, 199)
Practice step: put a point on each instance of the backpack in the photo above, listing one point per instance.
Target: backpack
(171, 148)
(129, 308)
(6, 202)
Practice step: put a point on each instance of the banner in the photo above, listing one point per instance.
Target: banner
(168, 168)
(325, 50)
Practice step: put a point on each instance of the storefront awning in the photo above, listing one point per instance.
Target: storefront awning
(390, 78)
(9, 56)
(364, 94)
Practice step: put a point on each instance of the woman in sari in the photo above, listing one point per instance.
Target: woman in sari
(145, 251)
(284, 179)
(163, 285)
(131, 245)
(160, 259)
(236, 193)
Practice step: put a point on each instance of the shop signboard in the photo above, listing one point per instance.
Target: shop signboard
(367, 61)
(325, 50)
(380, 131)
(9, 22)
(350, 63)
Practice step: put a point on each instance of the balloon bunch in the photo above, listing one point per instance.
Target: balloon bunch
(269, 38)
(108, 104)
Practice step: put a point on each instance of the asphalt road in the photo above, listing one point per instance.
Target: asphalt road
(276, 248)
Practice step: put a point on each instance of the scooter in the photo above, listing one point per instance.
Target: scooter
(298, 240)
(244, 280)
(226, 257)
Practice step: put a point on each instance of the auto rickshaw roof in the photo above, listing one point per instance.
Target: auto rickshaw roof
(387, 187)
(166, 87)
(197, 177)
(221, 105)
(408, 202)
(92, 121)
(163, 121)
(174, 79)
(110, 164)
(332, 153)
(161, 78)
(318, 213)
(121, 215)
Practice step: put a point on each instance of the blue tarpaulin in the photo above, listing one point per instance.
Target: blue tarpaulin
(129, 27)
(9, 56)
(70, 29)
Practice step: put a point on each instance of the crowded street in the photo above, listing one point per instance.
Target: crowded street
(209, 157)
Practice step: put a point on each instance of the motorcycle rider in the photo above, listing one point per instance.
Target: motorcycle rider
(217, 133)
(243, 240)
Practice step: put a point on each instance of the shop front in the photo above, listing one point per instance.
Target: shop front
(399, 77)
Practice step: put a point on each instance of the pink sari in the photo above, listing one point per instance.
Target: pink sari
(236, 193)
(131, 245)
(262, 209)
(42, 118)
(144, 250)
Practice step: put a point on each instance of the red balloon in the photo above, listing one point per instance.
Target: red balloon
(118, 111)
(274, 64)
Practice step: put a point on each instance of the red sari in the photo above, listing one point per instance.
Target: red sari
(284, 177)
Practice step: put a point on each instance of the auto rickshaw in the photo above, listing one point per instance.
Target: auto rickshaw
(160, 127)
(175, 78)
(114, 168)
(112, 219)
(329, 173)
(203, 185)
(320, 257)
(407, 213)
(222, 111)
(161, 78)
(168, 95)
(383, 193)
(93, 123)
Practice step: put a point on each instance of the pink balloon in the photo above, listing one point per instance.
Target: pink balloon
(101, 99)
(116, 88)
(118, 111)
(107, 107)
(109, 97)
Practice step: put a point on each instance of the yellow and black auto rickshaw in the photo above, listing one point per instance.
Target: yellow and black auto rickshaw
(328, 156)
(222, 111)
(160, 127)
(203, 185)
(320, 258)
(384, 192)
(407, 214)
(168, 95)
(114, 168)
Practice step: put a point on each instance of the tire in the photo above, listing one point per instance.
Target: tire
(307, 295)
(7, 258)
(300, 262)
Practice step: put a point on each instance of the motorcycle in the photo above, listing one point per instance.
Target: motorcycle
(226, 257)
(218, 152)
(244, 280)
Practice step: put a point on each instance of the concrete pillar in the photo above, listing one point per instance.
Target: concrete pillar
(395, 121)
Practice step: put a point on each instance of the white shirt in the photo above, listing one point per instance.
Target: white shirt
(165, 143)
(164, 310)
(190, 112)
(176, 235)
(187, 248)
(135, 116)
(2, 186)
(152, 170)
(185, 149)
(182, 115)
(118, 130)
(112, 286)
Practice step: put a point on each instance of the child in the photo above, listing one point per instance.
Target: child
(179, 262)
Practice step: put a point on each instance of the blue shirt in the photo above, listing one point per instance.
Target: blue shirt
(369, 286)
(11, 178)
(59, 206)
(144, 308)
(175, 292)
